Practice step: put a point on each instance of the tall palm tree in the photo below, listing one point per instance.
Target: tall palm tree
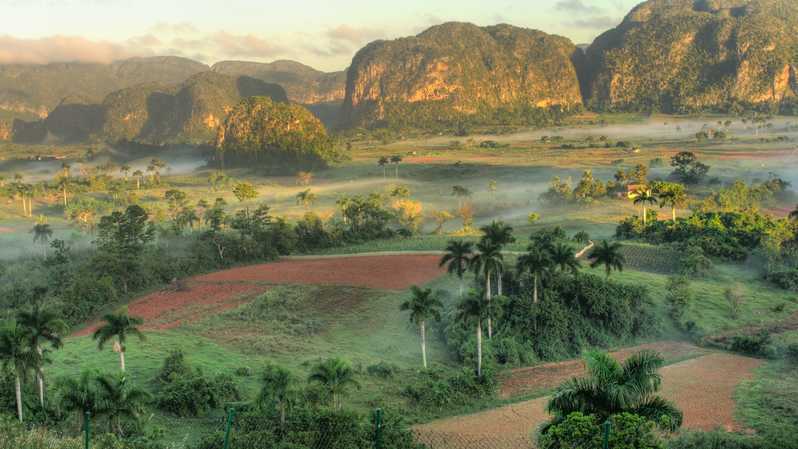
(125, 170)
(396, 160)
(383, 162)
(457, 259)
(562, 257)
(423, 306)
(674, 196)
(538, 263)
(81, 395)
(472, 311)
(486, 261)
(305, 198)
(609, 255)
(611, 388)
(42, 327)
(118, 326)
(42, 232)
(18, 357)
(336, 377)
(500, 234)
(275, 389)
(120, 401)
(138, 174)
(647, 198)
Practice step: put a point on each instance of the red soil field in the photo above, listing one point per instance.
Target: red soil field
(702, 388)
(223, 290)
(380, 272)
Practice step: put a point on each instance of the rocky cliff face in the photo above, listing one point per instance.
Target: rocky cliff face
(303, 84)
(459, 69)
(685, 55)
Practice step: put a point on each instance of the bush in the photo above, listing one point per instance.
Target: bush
(791, 353)
(383, 370)
(436, 391)
(196, 395)
(714, 440)
(758, 344)
(678, 297)
(787, 280)
(578, 431)
(174, 368)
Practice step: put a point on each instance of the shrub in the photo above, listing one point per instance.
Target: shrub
(174, 367)
(758, 344)
(436, 391)
(791, 353)
(383, 370)
(734, 298)
(196, 395)
(694, 262)
(678, 296)
(787, 280)
(578, 431)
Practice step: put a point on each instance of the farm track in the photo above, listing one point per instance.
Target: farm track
(702, 387)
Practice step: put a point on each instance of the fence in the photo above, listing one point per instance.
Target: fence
(478, 438)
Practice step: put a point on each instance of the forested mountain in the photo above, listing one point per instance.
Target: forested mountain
(693, 55)
(459, 71)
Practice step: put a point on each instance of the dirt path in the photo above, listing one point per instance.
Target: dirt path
(702, 388)
(212, 293)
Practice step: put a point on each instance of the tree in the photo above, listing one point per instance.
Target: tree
(461, 193)
(492, 188)
(537, 262)
(120, 400)
(423, 306)
(472, 311)
(42, 232)
(646, 197)
(383, 162)
(125, 170)
(581, 237)
(122, 238)
(306, 198)
(487, 260)
(734, 298)
(441, 217)
(138, 174)
(562, 257)
(336, 377)
(155, 166)
(18, 357)
(81, 395)
(275, 389)
(458, 259)
(609, 255)
(611, 388)
(42, 326)
(688, 168)
(672, 195)
(118, 326)
(245, 191)
(396, 160)
(501, 235)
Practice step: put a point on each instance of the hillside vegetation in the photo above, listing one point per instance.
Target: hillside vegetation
(693, 55)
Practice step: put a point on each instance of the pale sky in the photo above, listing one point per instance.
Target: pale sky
(322, 33)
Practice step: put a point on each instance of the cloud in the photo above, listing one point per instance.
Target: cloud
(576, 6)
(174, 28)
(246, 45)
(63, 49)
(596, 22)
(343, 40)
(353, 35)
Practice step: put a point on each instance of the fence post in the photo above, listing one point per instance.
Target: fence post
(606, 440)
(378, 428)
(87, 430)
(231, 414)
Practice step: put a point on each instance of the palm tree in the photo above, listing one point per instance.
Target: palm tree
(396, 160)
(562, 257)
(125, 170)
(81, 395)
(383, 162)
(336, 377)
(423, 306)
(138, 174)
(305, 198)
(42, 326)
(120, 400)
(500, 234)
(42, 232)
(457, 259)
(609, 255)
(472, 311)
(118, 326)
(486, 261)
(18, 357)
(536, 262)
(611, 388)
(645, 197)
(275, 389)
(674, 196)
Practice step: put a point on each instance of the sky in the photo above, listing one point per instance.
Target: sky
(324, 34)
